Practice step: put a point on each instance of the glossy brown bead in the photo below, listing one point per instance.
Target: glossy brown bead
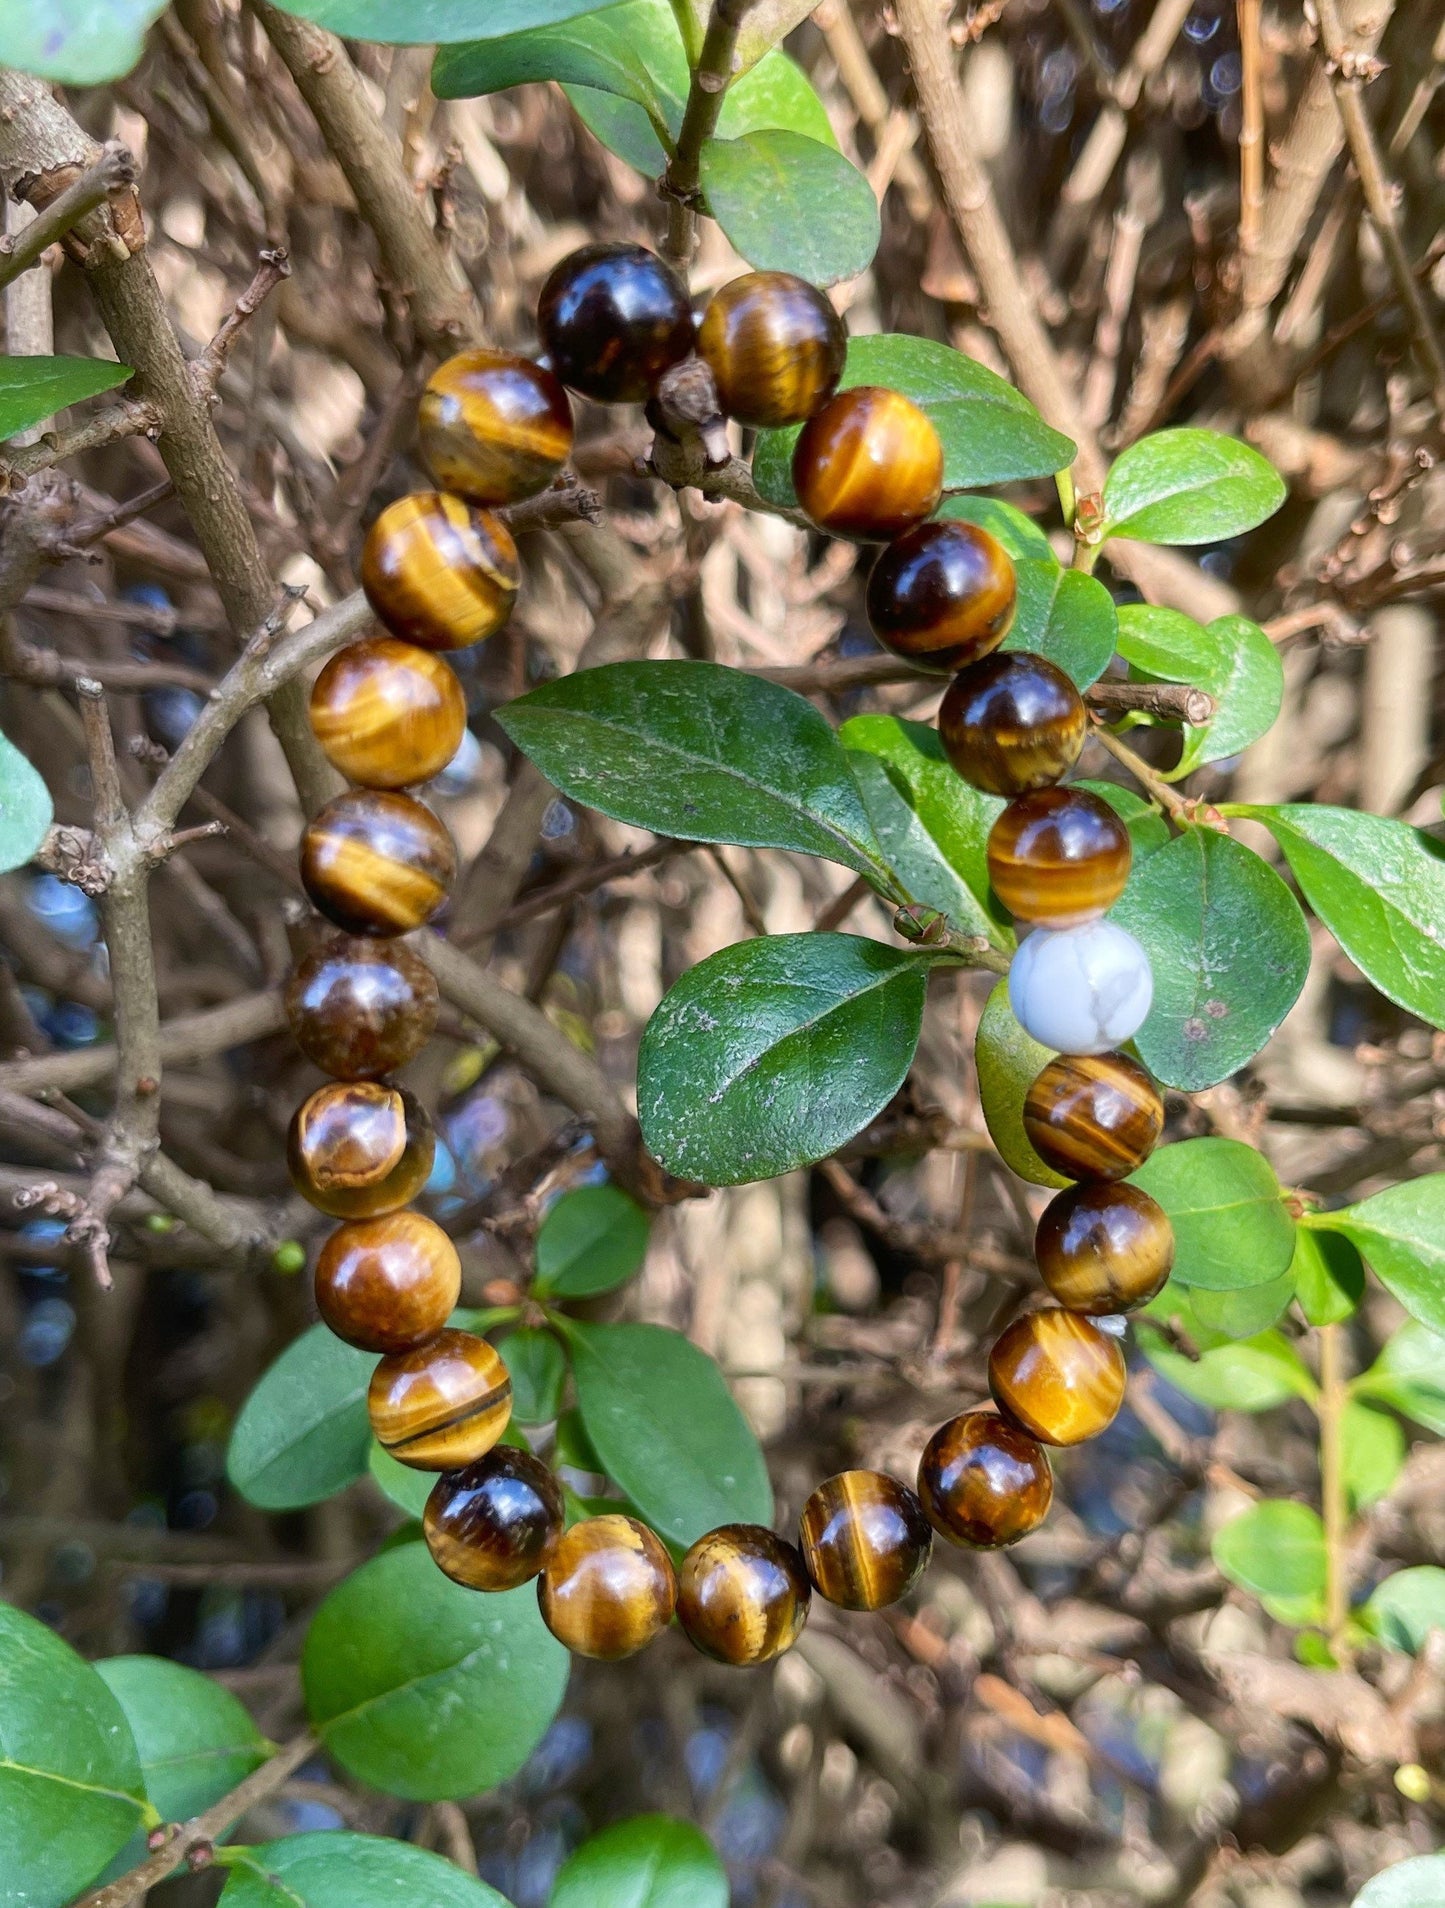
(865, 1540)
(494, 428)
(1104, 1248)
(984, 1481)
(494, 1524)
(377, 862)
(442, 1405)
(1012, 723)
(775, 347)
(742, 1594)
(359, 1149)
(1058, 857)
(608, 1588)
(1057, 1375)
(942, 595)
(359, 1009)
(388, 714)
(1094, 1116)
(439, 573)
(613, 318)
(869, 464)
(388, 1284)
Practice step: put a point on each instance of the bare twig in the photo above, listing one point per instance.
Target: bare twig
(207, 368)
(112, 172)
(710, 80)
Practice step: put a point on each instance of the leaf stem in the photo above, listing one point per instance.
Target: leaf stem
(1174, 806)
(1330, 1407)
(711, 77)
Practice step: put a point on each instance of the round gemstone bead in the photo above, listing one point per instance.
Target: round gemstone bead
(360, 1148)
(984, 1481)
(942, 595)
(775, 347)
(439, 573)
(869, 464)
(1081, 990)
(494, 1524)
(377, 862)
(1012, 723)
(443, 1405)
(1058, 857)
(388, 714)
(1094, 1116)
(388, 1284)
(1104, 1248)
(865, 1540)
(613, 319)
(494, 428)
(742, 1594)
(359, 1009)
(608, 1588)
(1057, 1375)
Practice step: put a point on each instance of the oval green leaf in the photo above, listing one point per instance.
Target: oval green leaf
(598, 53)
(1329, 1275)
(26, 810)
(1252, 1374)
(1373, 1444)
(538, 1368)
(32, 389)
(1277, 1550)
(1231, 1226)
(399, 1483)
(1406, 1607)
(592, 1240)
(1010, 526)
(1248, 688)
(336, 1869)
(303, 1434)
(80, 43)
(1189, 486)
(1409, 1376)
(1066, 617)
(195, 1741)
(771, 1054)
(438, 22)
(1148, 830)
(651, 1861)
(788, 203)
(1008, 1061)
(1401, 1233)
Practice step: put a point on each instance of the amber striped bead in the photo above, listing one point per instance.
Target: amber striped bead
(742, 1594)
(984, 1481)
(377, 862)
(775, 346)
(1058, 857)
(494, 1524)
(1057, 1375)
(388, 714)
(608, 1588)
(359, 1148)
(868, 464)
(439, 573)
(1104, 1248)
(359, 1009)
(1011, 723)
(388, 1284)
(444, 1404)
(865, 1539)
(1094, 1116)
(943, 595)
(494, 428)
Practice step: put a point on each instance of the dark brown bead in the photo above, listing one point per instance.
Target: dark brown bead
(444, 1404)
(1104, 1248)
(1057, 1375)
(942, 595)
(869, 464)
(865, 1540)
(359, 1009)
(494, 428)
(742, 1594)
(376, 862)
(984, 1481)
(493, 1525)
(388, 714)
(613, 318)
(1094, 1116)
(388, 1284)
(359, 1149)
(439, 573)
(1058, 857)
(608, 1588)
(775, 347)
(1012, 723)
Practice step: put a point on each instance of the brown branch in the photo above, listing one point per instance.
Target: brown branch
(1173, 804)
(206, 370)
(711, 78)
(113, 172)
(187, 1038)
(1172, 701)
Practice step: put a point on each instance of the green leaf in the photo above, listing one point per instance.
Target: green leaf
(1065, 616)
(1409, 1376)
(1008, 1061)
(599, 53)
(933, 826)
(1254, 1374)
(1329, 1275)
(788, 203)
(1168, 645)
(698, 751)
(770, 1054)
(765, 23)
(195, 1741)
(1189, 486)
(1406, 1607)
(26, 810)
(1248, 690)
(1148, 830)
(336, 1869)
(1230, 953)
(1379, 887)
(774, 93)
(78, 42)
(667, 1429)
(32, 389)
(1006, 523)
(1277, 1550)
(437, 22)
(303, 1434)
(71, 1789)
(650, 1861)
(424, 1689)
(408, 1489)
(991, 433)
(1231, 1226)
(1241, 1314)
(593, 1239)
(1416, 1883)
(1373, 1444)
(539, 1368)
(1401, 1233)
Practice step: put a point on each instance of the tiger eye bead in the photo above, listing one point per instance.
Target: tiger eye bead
(1104, 1248)
(388, 714)
(493, 1525)
(742, 1594)
(359, 1009)
(359, 1149)
(942, 595)
(775, 347)
(613, 318)
(1012, 723)
(388, 1284)
(442, 1405)
(1058, 857)
(1094, 1116)
(984, 1481)
(869, 465)
(865, 1540)
(494, 428)
(376, 862)
(1057, 1375)
(608, 1588)
(439, 573)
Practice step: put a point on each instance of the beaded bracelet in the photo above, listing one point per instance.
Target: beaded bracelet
(440, 571)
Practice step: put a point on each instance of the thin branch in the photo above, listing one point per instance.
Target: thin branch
(112, 172)
(1174, 805)
(1171, 701)
(710, 80)
(187, 1038)
(206, 370)
(1251, 128)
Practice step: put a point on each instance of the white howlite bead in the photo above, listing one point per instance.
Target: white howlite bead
(1082, 989)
